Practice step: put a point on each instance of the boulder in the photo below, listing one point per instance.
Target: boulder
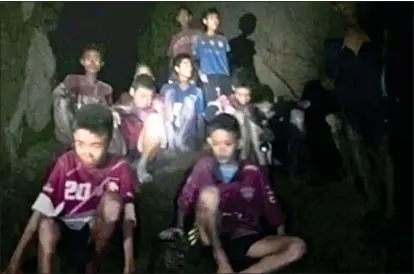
(288, 37)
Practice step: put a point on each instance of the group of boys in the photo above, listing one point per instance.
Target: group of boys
(90, 191)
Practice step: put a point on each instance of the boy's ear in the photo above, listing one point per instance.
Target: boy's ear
(131, 92)
(82, 62)
(204, 21)
(209, 141)
(102, 63)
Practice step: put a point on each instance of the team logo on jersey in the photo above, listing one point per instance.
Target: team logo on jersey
(247, 193)
(220, 44)
(212, 42)
(113, 187)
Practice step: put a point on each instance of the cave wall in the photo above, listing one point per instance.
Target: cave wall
(27, 71)
(289, 37)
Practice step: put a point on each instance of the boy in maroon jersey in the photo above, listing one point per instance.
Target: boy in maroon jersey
(88, 191)
(229, 198)
(142, 124)
(78, 90)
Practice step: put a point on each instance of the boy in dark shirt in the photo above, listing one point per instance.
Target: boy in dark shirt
(88, 191)
(78, 90)
(211, 50)
(229, 198)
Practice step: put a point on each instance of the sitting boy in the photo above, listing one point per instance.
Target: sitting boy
(184, 106)
(229, 198)
(252, 119)
(78, 90)
(142, 124)
(88, 191)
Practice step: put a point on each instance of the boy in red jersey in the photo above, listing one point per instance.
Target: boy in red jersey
(142, 124)
(229, 198)
(88, 191)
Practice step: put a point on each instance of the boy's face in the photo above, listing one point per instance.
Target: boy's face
(223, 144)
(142, 97)
(183, 17)
(243, 95)
(89, 147)
(92, 61)
(212, 22)
(185, 68)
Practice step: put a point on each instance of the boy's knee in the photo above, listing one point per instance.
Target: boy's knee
(48, 235)
(111, 206)
(209, 197)
(297, 248)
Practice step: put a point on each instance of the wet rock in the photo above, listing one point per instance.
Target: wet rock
(27, 70)
(288, 38)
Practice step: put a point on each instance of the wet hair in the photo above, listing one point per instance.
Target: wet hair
(209, 12)
(143, 81)
(141, 65)
(92, 47)
(185, 8)
(181, 57)
(242, 78)
(225, 122)
(96, 118)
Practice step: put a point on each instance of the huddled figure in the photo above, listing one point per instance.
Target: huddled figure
(110, 149)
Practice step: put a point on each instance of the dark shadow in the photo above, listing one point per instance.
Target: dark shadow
(243, 48)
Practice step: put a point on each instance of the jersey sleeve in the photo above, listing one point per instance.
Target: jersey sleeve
(197, 179)
(128, 179)
(271, 208)
(70, 82)
(49, 202)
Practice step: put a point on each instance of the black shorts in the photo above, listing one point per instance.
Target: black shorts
(75, 248)
(236, 250)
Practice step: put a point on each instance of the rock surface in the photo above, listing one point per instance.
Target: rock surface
(288, 38)
(27, 70)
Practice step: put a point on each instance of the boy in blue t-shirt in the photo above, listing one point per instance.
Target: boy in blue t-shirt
(184, 105)
(211, 50)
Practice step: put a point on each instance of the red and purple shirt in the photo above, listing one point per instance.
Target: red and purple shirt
(243, 201)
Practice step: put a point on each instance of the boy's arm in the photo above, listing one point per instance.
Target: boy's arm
(197, 179)
(272, 210)
(44, 206)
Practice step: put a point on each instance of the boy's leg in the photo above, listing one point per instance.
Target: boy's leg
(49, 235)
(103, 225)
(207, 223)
(211, 91)
(274, 252)
(151, 139)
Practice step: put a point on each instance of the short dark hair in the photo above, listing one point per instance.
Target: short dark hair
(225, 122)
(92, 47)
(185, 8)
(143, 81)
(96, 118)
(242, 78)
(180, 57)
(210, 11)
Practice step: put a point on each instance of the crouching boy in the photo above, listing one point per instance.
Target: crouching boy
(87, 193)
(229, 197)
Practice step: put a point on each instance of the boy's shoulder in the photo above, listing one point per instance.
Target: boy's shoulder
(105, 86)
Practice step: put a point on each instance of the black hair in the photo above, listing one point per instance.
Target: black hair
(92, 47)
(96, 118)
(180, 57)
(143, 81)
(242, 78)
(225, 122)
(185, 8)
(210, 11)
